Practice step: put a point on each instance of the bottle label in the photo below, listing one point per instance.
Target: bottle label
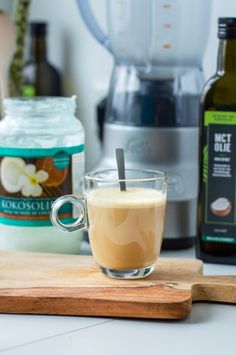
(28, 90)
(219, 178)
(32, 179)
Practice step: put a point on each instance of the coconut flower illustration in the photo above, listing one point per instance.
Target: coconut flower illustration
(17, 176)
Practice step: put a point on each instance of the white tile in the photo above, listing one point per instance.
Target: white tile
(209, 330)
(21, 329)
(213, 269)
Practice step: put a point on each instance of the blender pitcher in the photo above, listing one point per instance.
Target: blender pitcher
(153, 102)
(153, 32)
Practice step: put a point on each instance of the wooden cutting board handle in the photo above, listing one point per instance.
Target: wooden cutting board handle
(214, 289)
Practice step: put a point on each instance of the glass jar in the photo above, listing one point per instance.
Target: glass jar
(41, 158)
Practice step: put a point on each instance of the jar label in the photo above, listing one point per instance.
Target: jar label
(218, 178)
(32, 179)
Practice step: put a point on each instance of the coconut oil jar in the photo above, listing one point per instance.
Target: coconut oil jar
(41, 158)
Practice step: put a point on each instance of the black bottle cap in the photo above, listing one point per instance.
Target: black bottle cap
(227, 27)
(38, 28)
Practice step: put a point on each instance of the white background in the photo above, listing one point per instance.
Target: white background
(86, 66)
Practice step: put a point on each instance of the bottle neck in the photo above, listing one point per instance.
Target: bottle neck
(38, 48)
(226, 62)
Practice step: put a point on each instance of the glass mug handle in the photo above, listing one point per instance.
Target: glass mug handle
(81, 221)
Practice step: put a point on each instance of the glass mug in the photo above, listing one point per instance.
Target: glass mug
(125, 227)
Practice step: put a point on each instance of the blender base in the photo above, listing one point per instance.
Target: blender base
(178, 243)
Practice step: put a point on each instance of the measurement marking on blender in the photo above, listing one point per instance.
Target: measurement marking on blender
(167, 46)
(167, 25)
(166, 6)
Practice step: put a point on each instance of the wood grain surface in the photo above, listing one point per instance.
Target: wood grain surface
(73, 285)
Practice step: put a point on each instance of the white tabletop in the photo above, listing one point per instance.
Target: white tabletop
(210, 329)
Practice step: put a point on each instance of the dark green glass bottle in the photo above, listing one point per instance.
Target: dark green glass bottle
(217, 186)
(40, 78)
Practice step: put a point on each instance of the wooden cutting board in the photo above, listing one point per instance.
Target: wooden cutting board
(72, 285)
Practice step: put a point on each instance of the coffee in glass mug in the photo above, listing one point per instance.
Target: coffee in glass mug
(125, 227)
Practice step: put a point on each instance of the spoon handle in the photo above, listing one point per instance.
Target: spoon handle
(121, 167)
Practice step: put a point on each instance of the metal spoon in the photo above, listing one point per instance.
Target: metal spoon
(121, 167)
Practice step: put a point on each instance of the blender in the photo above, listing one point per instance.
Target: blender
(153, 102)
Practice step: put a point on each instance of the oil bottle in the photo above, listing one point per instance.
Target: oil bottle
(217, 186)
